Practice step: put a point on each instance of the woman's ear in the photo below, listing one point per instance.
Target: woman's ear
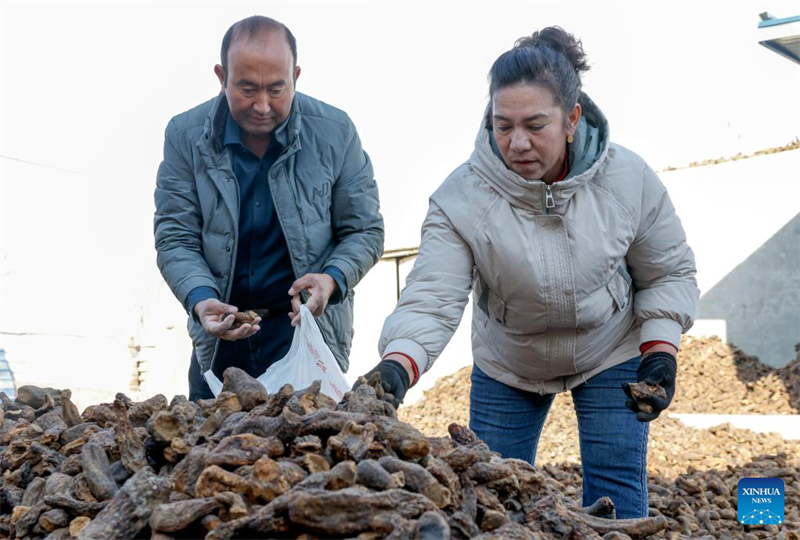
(574, 117)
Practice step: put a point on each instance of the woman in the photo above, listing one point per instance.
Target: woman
(581, 274)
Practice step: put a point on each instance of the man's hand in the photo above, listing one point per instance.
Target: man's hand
(394, 379)
(212, 314)
(320, 288)
(657, 368)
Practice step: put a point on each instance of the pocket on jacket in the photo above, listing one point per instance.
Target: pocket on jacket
(216, 253)
(488, 302)
(620, 288)
(496, 308)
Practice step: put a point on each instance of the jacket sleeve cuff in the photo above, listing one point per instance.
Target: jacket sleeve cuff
(661, 330)
(197, 295)
(345, 268)
(341, 284)
(409, 348)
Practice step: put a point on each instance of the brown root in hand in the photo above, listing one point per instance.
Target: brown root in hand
(641, 391)
(242, 317)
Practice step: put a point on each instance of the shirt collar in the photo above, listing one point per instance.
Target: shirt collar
(233, 133)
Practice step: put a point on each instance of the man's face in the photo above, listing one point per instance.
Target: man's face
(260, 82)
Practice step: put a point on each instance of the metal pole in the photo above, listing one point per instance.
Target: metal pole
(397, 276)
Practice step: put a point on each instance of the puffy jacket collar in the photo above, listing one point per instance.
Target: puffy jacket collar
(587, 153)
(214, 128)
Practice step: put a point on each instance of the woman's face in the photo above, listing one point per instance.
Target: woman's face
(530, 130)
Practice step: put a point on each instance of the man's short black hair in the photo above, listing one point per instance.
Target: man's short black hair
(252, 26)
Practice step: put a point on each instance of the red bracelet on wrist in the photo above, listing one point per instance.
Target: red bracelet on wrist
(643, 348)
(414, 367)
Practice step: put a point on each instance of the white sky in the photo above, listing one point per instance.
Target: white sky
(90, 87)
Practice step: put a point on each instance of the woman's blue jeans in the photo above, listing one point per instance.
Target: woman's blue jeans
(613, 443)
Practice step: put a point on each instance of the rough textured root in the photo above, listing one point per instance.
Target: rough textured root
(36, 397)
(244, 449)
(130, 509)
(549, 516)
(270, 519)
(187, 472)
(310, 400)
(70, 412)
(250, 392)
(285, 426)
(432, 526)
(243, 317)
(214, 480)
(57, 484)
(275, 402)
(510, 531)
(140, 412)
(635, 528)
(97, 471)
(307, 444)
(364, 399)
(28, 519)
(463, 435)
(602, 508)
(131, 447)
(447, 478)
(342, 475)
(641, 391)
(330, 422)
(312, 471)
(102, 415)
(352, 442)
(462, 525)
(371, 474)
(462, 458)
(34, 492)
(418, 479)
(407, 441)
(172, 517)
(177, 421)
(483, 472)
(52, 520)
(350, 511)
(233, 506)
(74, 507)
(77, 525)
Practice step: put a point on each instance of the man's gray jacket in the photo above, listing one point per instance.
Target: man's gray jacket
(324, 193)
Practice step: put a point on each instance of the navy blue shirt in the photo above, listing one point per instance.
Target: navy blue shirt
(263, 272)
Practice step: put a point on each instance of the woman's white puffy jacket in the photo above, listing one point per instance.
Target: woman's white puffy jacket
(568, 280)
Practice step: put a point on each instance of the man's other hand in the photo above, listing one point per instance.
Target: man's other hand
(218, 320)
(320, 288)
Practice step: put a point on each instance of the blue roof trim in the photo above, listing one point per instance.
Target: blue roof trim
(777, 22)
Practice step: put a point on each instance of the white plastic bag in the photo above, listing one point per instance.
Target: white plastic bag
(309, 359)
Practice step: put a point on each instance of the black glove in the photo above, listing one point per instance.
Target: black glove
(658, 368)
(394, 379)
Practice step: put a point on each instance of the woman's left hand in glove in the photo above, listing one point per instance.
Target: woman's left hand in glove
(657, 368)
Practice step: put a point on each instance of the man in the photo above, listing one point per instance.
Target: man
(264, 198)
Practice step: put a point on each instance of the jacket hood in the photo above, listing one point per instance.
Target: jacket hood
(586, 153)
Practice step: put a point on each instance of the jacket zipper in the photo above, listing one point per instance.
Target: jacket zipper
(550, 202)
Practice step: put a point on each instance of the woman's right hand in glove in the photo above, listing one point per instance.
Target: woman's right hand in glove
(397, 375)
